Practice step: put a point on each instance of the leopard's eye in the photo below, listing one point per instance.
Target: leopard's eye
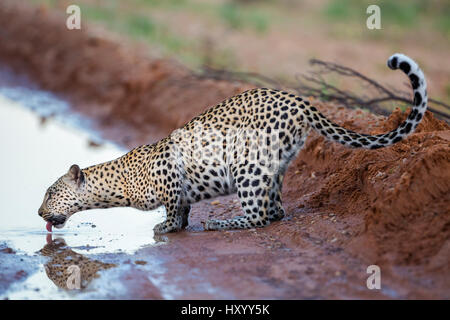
(48, 196)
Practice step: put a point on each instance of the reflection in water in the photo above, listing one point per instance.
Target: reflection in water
(34, 154)
(69, 269)
(37, 155)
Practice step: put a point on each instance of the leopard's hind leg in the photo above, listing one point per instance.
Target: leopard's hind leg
(276, 211)
(254, 194)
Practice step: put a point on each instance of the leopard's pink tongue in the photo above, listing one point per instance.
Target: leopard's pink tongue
(49, 226)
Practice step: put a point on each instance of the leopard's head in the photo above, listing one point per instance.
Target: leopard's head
(65, 197)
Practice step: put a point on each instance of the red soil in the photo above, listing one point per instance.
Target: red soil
(346, 209)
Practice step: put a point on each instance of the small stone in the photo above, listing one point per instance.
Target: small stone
(7, 250)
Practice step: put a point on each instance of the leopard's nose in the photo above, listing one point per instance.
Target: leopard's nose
(40, 212)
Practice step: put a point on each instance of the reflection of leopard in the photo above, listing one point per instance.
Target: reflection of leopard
(65, 264)
(242, 145)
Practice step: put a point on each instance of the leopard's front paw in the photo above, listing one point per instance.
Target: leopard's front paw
(164, 227)
(160, 228)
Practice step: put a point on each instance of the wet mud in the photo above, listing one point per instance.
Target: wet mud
(346, 209)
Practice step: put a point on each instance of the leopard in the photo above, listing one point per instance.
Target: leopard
(242, 146)
(65, 265)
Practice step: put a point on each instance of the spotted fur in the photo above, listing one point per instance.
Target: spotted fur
(243, 145)
(60, 267)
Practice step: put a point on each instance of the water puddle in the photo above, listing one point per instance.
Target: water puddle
(36, 150)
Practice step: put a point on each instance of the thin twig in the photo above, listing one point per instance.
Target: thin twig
(315, 85)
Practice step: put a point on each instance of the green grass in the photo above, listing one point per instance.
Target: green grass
(397, 12)
(231, 13)
(401, 14)
(103, 14)
(143, 27)
(442, 21)
(339, 9)
(162, 3)
(140, 26)
(239, 17)
(138, 23)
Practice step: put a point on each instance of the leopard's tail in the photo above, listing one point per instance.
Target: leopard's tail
(347, 137)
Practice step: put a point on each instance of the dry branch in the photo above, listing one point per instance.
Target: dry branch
(316, 85)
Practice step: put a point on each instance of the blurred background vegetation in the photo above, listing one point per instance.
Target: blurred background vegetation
(278, 38)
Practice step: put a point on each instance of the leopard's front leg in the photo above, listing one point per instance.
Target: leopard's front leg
(185, 210)
(167, 186)
(174, 222)
(175, 211)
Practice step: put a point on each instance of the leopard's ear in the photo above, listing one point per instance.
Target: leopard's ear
(76, 175)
